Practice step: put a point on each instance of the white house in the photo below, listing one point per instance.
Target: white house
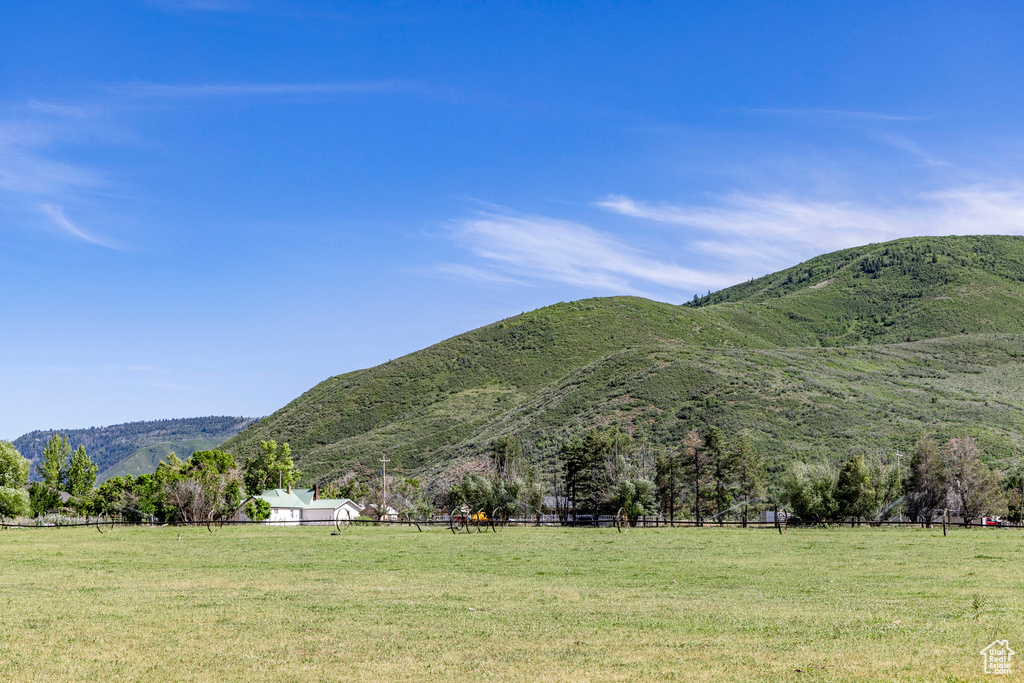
(302, 506)
(390, 513)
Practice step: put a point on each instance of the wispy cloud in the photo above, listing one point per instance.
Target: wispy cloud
(764, 232)
(725, 241)
(201, 5)
(144, 90)
(542, 248)
(28, 168)
(37, 186)
(838, 114)
(459, 271)
(41, 179)
(909, 146)
(76, 369)
(291, 9)
(56, 215)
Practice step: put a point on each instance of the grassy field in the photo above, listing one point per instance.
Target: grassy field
(528, 604)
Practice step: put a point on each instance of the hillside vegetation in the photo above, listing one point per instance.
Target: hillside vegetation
(136, 447)
(861, 349)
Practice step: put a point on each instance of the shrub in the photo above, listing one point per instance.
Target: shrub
(43, 498)
(257, 510)
(809, 489)
(13, 502)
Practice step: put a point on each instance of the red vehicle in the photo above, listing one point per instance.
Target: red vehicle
(990, 521)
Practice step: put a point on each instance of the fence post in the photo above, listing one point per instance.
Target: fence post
(945, 522)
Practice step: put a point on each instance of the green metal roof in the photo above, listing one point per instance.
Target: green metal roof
(300, 498)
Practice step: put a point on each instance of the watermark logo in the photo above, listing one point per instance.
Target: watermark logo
(998, 657)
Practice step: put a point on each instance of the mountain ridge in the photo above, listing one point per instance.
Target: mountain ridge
(112, 445)
(865, 333)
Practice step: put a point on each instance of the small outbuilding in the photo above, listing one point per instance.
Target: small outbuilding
(390, 514)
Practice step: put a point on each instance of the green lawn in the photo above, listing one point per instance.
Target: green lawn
(392, 604)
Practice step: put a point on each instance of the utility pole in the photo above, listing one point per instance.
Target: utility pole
(384, 483)
(1020, 511)
(672, 464)
(899, 482)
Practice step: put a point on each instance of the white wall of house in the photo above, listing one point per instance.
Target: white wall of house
(288, 516)
(318, 516)
(285, 516)
(348, 510)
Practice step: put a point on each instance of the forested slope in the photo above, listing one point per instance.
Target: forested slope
(110, 446)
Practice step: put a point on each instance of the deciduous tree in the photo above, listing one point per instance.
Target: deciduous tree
(886, 488)
(272, 466)
(347, 486)
(926, 484)
(853, 491)
(206, 485)
(258, 510)
(13, 467)
(972, 485)
(81, 474)
(54, 463)
(14, 502)
(809, 488)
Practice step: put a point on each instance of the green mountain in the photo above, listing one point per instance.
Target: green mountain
(137, 447)
(861, 349)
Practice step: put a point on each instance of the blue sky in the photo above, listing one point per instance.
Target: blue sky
(208, 206)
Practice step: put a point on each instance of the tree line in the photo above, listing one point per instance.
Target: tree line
(708, 478)
(207, 485)
(951, 477)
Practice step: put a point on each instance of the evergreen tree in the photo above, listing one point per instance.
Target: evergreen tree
(577, 471)
(505, 454)
(749, 467)
(43, 498)
(669, 476)
(722, 470)
(696, 464)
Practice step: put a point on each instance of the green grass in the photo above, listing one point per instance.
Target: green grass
(529, 604)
